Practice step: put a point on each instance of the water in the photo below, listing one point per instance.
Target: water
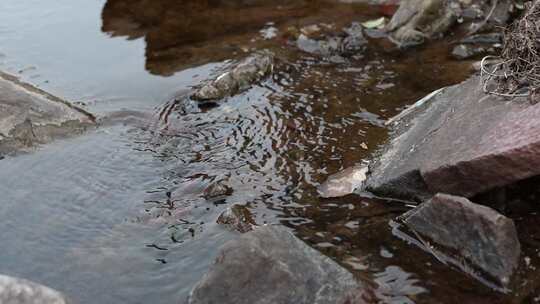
(90, 216)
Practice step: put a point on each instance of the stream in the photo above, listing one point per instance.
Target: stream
(90, 216)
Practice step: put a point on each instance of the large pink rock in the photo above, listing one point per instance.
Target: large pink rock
(461, 142)
(508, 152)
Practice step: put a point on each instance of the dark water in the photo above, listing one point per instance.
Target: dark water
(90, 216)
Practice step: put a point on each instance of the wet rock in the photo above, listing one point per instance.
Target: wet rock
(238, 79)
(324, 47)
(344, 182)
(465, 51)
(238, 218)
(30, 116)
(355, 42)
(19, 291)
(217, 189)
(478, 233)
(347, 43)
(417, 20)
(270, 265)
(463, 142)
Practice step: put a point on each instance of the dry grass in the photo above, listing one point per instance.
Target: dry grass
(518, 73)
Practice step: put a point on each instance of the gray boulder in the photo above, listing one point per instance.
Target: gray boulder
(480, 234)
(462, 142)
(239, 78)
(271, 266)
(29, 116)
(19, 291)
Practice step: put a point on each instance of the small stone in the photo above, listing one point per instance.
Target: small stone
(478, 233)
(344, 182)
(238, 218)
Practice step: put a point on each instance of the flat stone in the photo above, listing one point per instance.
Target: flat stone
(30, 116)
(19, 291)
(238, 218)
(462, 142)
(478, 233)
(344, 182)
(239, 78)
(270, 265)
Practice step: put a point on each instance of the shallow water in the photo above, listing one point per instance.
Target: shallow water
(91, 216)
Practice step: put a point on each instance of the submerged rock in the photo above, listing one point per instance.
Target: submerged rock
(19, 291)
(344, 182)
(465, 51)
(480, 234)
(463, 142)
(29, 116)
(270, 265)
(349, 42)
(323, 47)
(238, 79)
(217, 189)
(237, 217)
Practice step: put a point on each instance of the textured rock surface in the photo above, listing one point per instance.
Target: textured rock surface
(271, 266)
(239, 78)
(417, 20)
(29, 116)
(237, 217)
(463, 142)
(19, 291)
(478, 233)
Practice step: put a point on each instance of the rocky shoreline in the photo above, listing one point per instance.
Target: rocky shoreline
(453, 155)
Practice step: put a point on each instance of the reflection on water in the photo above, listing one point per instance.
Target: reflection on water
(118, 215)
(189, 32)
